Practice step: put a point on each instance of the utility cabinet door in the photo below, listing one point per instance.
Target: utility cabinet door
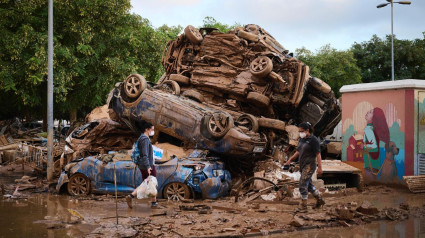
(421, 133)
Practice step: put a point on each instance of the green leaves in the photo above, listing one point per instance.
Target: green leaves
(337, 68)
(96, 44)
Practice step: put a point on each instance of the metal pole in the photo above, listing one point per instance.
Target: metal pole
(392, 42)
(50, 169)
(116, 196)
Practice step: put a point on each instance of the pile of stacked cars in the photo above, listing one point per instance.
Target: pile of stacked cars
(237, 93)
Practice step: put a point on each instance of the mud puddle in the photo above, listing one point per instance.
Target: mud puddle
(46, 215)
(409, 228)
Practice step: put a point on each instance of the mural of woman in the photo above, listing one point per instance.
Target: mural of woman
(375, 131)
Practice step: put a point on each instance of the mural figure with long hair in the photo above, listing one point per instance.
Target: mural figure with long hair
(375, 131)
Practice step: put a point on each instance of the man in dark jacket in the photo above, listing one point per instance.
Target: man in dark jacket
(145, 162)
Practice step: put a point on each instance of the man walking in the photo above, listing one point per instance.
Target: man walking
(145, 162)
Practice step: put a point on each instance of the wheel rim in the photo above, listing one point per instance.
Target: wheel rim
(133, 86)
(218, 123)
(176, 192)
(259, 64)
(79, 185)
(195, 32)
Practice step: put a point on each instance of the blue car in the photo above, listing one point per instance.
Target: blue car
(178, 179)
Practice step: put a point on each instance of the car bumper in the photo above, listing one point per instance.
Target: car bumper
(216, 187)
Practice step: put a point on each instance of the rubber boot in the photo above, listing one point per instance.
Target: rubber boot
(129, 199)
(303, 206)
(319, 201)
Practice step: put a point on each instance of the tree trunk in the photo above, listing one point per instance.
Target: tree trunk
(72, 116)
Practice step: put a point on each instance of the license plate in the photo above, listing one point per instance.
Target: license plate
(258, 149)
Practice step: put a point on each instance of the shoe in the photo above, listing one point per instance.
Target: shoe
(303, 206)
(154, 205)
(129, 199)
(319, 202)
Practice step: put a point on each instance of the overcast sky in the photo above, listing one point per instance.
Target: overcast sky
(295, 23)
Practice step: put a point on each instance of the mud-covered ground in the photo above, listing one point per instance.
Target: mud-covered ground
(36, 213)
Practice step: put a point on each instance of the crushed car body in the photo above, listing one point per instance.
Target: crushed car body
(197, 125)
(178, 178)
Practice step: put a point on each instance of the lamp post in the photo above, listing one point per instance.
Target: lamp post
(392, 34)
(50, 168)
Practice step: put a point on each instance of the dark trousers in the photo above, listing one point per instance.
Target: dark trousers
(306, 184)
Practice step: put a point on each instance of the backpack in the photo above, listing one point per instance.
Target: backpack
(135, 155)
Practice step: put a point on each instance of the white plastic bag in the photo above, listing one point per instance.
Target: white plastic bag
(147, 188)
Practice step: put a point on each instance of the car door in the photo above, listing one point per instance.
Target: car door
(124, 171)
(164, 173)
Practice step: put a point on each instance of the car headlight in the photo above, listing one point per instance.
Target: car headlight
(218, 172)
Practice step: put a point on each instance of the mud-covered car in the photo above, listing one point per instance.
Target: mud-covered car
(248, 72)
(195, 124)
(195, 176)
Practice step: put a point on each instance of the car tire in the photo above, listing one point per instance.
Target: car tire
(258, 99)
(271, 123)
(249, 121)
(176, 191)
(192, 94)
(248, 36)
(218, 124)
(320, 85)
(134, 85)
(173, 86)
(78, 185)
(261, 66)
(193, 35)
(181, 79)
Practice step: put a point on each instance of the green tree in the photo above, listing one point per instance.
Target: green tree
(211, 22)
(337, 68)
(373, 57)
(96, 43)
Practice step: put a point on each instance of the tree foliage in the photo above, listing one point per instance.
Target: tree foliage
(96, 43)
(374, 59)
(337, 68)
(211, 22)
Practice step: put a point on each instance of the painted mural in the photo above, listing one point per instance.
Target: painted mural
(374, 141)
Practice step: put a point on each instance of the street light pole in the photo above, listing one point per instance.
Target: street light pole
(392, 30)
(50, 167)
(392, 41)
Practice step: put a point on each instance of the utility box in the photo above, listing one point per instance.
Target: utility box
(383, 129)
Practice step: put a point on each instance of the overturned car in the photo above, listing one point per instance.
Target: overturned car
(195, 124)
(178, 178)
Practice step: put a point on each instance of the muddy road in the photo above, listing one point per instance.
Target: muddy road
(400, 214)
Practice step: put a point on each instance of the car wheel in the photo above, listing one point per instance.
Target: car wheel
(172, 86)
(193, 35)
(258, 99)
(218, 124)
(271, 123)
(180, 79)
(248, 121)
(320, 85)
(192, 94)
(248, 36)
(78, 185)
(176, 191)
(261, 66)
(134, 85)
